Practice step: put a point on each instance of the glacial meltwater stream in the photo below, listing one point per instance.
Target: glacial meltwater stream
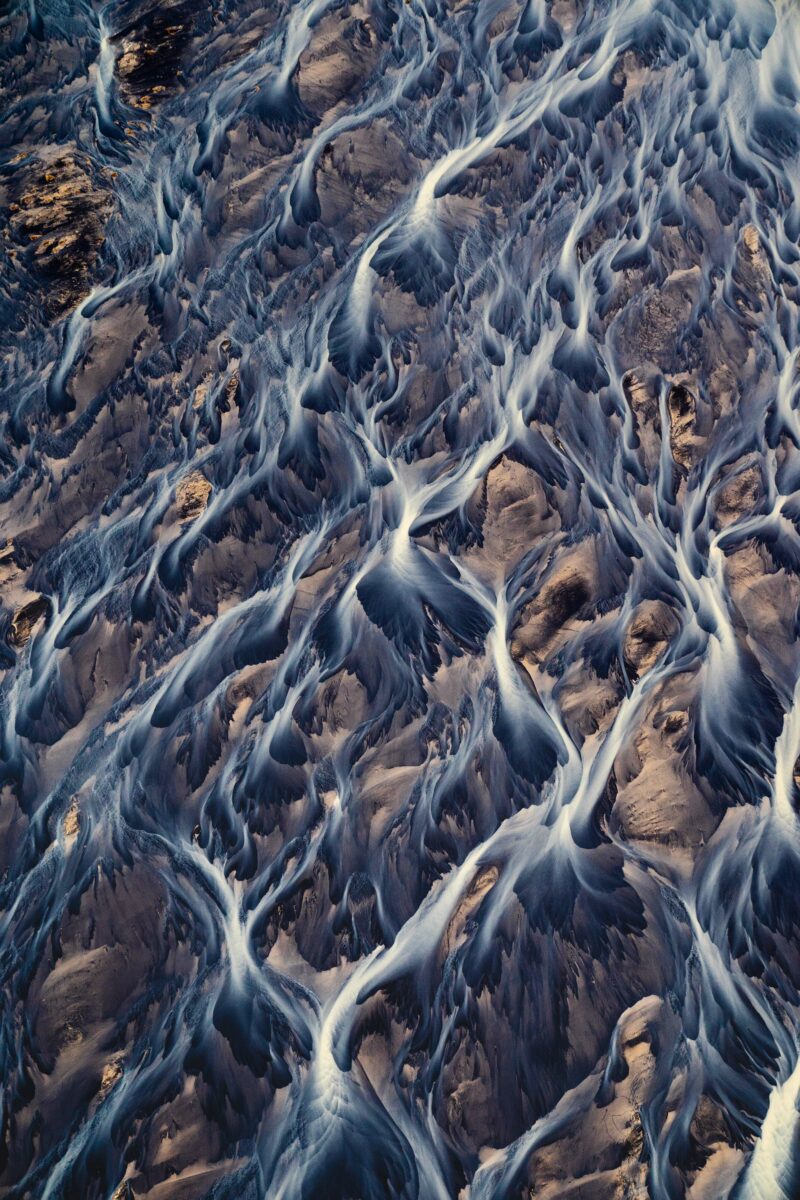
(400, 693)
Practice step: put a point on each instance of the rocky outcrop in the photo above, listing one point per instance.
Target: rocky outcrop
(59, 206)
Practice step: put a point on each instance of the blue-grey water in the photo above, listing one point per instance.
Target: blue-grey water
(400, 697)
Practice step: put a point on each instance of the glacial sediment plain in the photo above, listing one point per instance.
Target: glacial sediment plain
(400, 571)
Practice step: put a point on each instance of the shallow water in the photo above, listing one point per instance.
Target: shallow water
(401, 692)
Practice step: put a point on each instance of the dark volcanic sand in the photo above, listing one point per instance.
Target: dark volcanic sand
(399, 710)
